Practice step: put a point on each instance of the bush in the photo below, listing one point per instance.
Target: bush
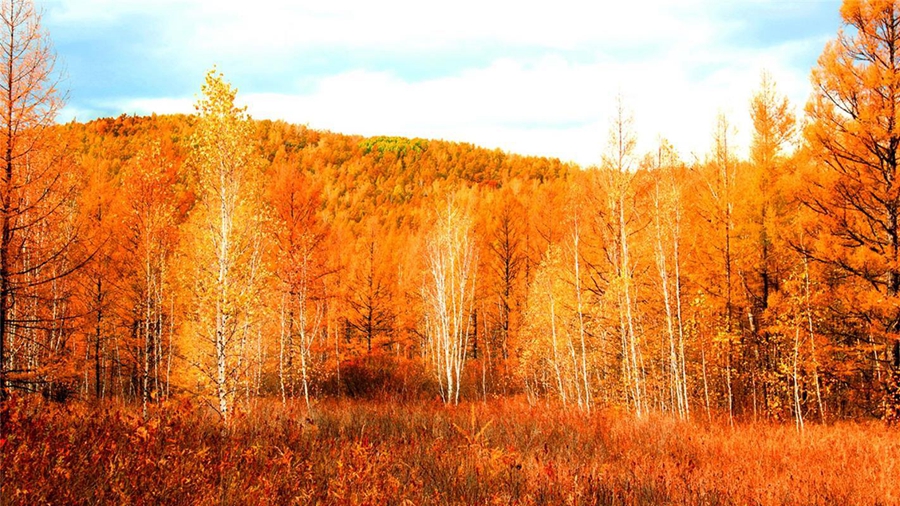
(380, 376)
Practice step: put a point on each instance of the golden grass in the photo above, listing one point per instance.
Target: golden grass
(364, 452)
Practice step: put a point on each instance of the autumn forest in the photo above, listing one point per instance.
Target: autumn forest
(210, 309)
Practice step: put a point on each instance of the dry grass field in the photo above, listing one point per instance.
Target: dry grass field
(368, 452)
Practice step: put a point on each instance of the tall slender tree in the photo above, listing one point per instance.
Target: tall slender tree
(773, 130)
(299, 237)
(761, 229)
(619, 165)
(449, 296)
(226, 236)
(667, 225)
(32, 185)
(372, 316)
(506, 261)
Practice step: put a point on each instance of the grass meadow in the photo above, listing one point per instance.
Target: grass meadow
(379, 452)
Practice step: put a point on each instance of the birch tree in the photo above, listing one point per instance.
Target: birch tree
(667, 225)
(226, 225)
(544, 361)
(555, 354)
(449, 296)
(151, 219)
(619, 165)
(719, 178)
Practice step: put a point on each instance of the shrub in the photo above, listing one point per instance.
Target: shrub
(380, 376)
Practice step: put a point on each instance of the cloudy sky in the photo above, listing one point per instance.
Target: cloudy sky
(528, 77)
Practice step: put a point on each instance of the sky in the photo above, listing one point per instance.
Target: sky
(535, 78)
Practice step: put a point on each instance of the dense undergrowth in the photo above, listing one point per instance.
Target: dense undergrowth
(368, 452)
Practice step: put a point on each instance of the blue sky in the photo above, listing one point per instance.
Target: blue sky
(528, 77)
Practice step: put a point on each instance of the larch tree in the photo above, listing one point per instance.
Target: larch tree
(226, 237)
(34, 194)
(764, 261)
(371, 291)
(98, 280)
(774, 126)
(300, 266)
(501, 228)
(854, 134)
(506, 261)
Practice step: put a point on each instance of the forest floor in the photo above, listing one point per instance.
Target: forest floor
(367, 452)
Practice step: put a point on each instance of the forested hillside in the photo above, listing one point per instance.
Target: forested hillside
(389, 266)
(334, 219)
(221, 258)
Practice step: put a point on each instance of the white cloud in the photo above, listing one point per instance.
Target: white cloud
(547, 107)
(667, 59)
(70, 113)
